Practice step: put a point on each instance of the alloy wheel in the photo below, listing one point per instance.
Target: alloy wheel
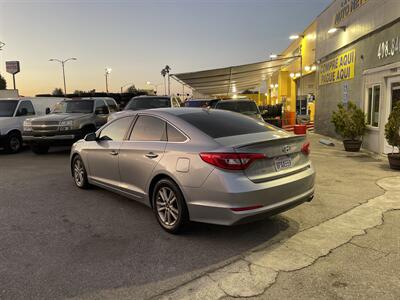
(167, 206)
(15, 144)
(79, 173)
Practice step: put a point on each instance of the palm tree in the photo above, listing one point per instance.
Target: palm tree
(167, 69)
(163, 73)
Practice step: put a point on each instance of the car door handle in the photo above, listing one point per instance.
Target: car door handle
(151, 155)
(114, 152)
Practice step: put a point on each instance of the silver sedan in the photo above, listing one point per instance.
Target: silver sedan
(193, 164)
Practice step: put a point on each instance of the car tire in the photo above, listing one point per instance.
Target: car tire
(79, 173)
(169, 206)
(40, 149)
(13, 143)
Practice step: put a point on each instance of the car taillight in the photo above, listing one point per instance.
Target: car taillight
(231, 161)
(306, 148)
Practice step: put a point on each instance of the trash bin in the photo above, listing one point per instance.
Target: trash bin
(300, 129)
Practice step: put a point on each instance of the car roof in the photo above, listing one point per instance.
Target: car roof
(16, 99)
(149, 96)
(237, 100)
(189, 100)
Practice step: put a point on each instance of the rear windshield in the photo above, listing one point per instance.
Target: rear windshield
(195, 103)
(247, 108)
(218, 124)
(147, 103)
(7, 108)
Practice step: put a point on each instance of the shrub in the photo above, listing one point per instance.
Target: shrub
(392, 128)
(349, 121)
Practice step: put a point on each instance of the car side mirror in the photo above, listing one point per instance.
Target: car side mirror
(91, 137)
(47, 110)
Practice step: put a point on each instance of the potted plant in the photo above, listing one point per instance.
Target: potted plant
(392, 136)
(349, 121)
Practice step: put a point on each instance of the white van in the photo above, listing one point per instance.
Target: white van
(14, 111)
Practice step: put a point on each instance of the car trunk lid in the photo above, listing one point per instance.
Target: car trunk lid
(283, 153)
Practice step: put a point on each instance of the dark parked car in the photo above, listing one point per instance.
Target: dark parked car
(245, 107)
(201, 102)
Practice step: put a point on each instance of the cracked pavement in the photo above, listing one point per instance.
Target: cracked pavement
(346, 245)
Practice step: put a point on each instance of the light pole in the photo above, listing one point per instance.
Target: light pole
(107, 72)
(62, 62)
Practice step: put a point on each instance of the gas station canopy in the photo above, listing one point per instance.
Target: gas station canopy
(231, 80)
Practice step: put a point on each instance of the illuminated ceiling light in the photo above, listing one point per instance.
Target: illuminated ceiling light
(273, 56)
(234, 96)
(307, 68)
(313, 68)
(334, 29)
(291, 75)
(266, 94)
(276, 85)
(298, 74)
(295, 36)
(271, 86)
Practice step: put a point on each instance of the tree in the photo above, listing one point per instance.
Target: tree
(3, 83)
(132, 89)
(58, 92)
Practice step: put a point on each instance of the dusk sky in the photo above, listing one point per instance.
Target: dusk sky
(138, 38)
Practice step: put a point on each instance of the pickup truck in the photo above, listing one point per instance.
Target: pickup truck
(71, 120)
(13, 113)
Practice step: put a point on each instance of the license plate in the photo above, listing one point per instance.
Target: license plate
(283, 162)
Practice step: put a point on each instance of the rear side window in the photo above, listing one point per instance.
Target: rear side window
(111, 105)
(25, 109)
(116, 130)
(219, 123)
(174, 135)
(101, 108)
(149, 128)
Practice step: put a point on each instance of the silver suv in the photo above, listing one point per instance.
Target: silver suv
(70, 121)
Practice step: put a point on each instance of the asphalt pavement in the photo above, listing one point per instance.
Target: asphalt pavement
(57, 241)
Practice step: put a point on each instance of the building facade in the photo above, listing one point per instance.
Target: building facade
(358, 56)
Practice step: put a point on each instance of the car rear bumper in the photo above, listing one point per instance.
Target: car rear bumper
(233, 199)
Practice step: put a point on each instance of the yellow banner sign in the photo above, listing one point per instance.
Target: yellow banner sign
(338, 69)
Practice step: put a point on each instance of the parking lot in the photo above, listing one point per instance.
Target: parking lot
(58, 241)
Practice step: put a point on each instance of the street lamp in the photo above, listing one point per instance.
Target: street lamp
(334, 29)
(273, 56)
(107, 72)
(62, 62)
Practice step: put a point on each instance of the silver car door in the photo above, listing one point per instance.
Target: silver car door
(103, 153)
(140, 154)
